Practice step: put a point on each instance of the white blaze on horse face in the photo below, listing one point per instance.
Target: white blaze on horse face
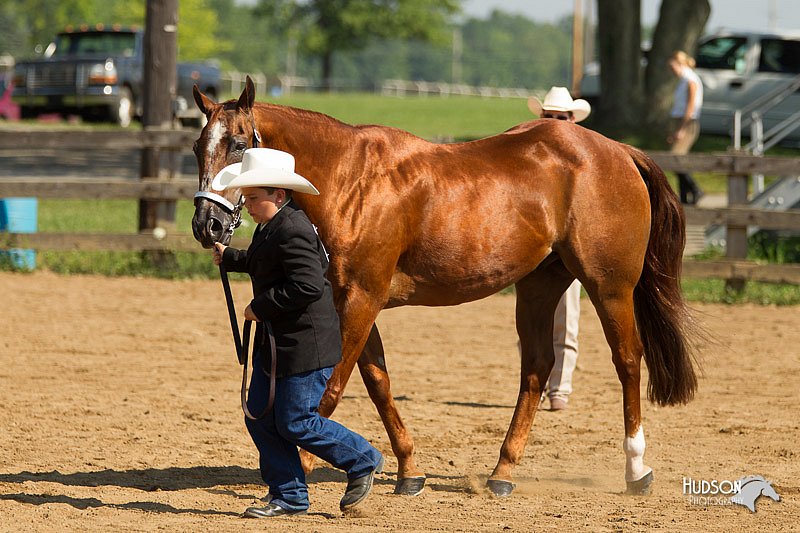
(214, 137)
(635, 468)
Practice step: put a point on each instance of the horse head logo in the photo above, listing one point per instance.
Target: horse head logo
(751, 488)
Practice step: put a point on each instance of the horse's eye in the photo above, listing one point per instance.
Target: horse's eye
(240, 146)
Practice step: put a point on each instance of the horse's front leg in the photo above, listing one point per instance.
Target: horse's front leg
(372, 365)
(357, 314)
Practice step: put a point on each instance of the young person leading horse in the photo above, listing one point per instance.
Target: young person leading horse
(409, 222)
(287, 263)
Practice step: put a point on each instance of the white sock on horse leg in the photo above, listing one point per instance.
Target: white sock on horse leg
(635, 468)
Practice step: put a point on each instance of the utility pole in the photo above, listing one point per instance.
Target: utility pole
(577, 47)
(159, 89)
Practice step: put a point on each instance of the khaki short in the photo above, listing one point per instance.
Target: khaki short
(685, 144)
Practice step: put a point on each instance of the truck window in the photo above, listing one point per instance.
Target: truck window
(108, 43)
(724, 53)
(779, 56)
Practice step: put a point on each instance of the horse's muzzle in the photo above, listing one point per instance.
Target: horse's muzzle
(209, 227)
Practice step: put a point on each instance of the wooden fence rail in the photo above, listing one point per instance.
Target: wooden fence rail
(106, 242)
(730, 164)
(736, 217)
(96, 189)
(743, 216)
(170, 139)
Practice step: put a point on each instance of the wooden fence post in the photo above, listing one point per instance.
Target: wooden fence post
(736, 248)
(159, 88)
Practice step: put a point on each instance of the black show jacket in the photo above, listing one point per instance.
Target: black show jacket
(287, 265)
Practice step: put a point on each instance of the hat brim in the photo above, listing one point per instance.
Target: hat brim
(535, 106)
(580, 108)
(232, 177)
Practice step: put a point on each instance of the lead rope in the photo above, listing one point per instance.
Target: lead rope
(243, 346)
(243, 342)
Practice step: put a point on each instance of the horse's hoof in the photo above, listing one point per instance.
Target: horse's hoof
(641, 487)
(500, 488)
(410, 486)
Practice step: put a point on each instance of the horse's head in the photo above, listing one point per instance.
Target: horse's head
(229, 132)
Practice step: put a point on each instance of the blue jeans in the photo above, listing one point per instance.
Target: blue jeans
(294, 421)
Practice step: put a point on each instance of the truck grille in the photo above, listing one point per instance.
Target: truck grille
(49, 76)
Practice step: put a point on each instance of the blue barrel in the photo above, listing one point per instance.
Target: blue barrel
(19, 215)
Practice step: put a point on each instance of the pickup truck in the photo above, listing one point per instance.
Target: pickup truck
(742, 68)
(99, 72)
(737, 68)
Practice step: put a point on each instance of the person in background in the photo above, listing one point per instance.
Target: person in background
(685, 119)
(558, 104)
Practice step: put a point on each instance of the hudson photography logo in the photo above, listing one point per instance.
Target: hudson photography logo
(744, 491)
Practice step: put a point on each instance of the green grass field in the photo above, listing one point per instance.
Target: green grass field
(432, 117)
(454, 118)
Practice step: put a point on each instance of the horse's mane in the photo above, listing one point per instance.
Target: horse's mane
(230, 105)
(320, 118)
(305, 114)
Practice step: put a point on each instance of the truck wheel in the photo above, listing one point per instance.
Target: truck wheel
(122, 112)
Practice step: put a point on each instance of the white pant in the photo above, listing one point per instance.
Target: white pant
(565, 342)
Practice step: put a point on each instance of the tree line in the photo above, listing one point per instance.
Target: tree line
(351, 43)
(356, 44)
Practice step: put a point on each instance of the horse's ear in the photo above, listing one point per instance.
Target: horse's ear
(203, 102)
(248, 97)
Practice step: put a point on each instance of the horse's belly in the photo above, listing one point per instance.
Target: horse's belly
(452, 286)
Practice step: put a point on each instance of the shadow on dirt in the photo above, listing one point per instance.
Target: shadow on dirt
(148, 479)
(90, 503)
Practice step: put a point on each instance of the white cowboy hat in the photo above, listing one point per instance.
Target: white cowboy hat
(559, 99)
(263, 167)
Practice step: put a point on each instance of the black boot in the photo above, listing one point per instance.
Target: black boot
(272, 509)
(358, 489)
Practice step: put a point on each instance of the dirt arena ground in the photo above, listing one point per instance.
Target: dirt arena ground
(120, 413)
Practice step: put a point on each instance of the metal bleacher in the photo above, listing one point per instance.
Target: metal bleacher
(782, 194)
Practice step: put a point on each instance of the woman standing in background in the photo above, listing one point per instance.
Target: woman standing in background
(685, 119)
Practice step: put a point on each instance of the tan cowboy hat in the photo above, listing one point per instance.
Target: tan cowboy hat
(559, 99)
(263, 167)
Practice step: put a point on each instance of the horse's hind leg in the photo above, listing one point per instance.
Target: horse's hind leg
(615, 309)
(537, 297)
(372, 365)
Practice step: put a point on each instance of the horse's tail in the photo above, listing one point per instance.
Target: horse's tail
(662, 316)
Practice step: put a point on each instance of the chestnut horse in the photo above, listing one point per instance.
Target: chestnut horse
(408, 222)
